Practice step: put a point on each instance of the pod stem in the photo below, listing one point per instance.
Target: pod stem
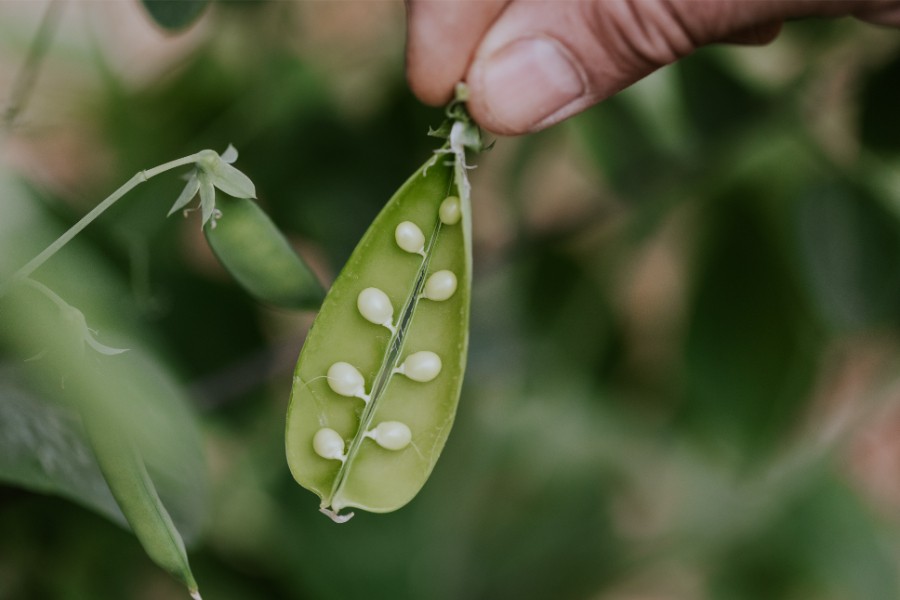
(98, 210)
(461, 134)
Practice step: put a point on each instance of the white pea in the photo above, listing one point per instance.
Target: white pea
(450, 211)
(421, 366)
(410, 238)
(376, 307)
(391, 435)
(328, 443)
(346, 380)
(440, 286)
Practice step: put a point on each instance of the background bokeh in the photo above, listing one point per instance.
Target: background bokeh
(683, 376)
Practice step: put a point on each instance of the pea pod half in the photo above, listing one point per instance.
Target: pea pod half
(377, 382)
(258, 256)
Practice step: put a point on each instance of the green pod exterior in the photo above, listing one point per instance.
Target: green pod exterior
(131, 486)
(374, 478)
(253, 250)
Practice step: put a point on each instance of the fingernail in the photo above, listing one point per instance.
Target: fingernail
(529, 80)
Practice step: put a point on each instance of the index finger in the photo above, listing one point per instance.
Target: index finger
(441, 39)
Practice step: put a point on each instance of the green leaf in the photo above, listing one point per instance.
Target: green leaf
(792, 548)
(174, 15)
(716, 101)
(751, 336)
(878, 123)
(442, 131)
(849, 246)
(43, 447)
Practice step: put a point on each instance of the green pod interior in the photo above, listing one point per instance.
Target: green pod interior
(253, 250)
(372, 477)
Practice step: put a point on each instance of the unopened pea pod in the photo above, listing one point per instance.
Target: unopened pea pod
(408, 347)
(131, 486)
(259, 257)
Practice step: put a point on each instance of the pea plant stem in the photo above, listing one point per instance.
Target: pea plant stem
(53, 296)
(65, 238)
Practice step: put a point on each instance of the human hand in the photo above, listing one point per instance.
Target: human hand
(530, 64)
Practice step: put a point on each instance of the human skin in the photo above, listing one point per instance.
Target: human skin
(532, 63)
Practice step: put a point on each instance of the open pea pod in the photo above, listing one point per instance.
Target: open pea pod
(377, 382)
(254, 251)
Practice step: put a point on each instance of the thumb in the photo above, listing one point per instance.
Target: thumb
(541, 62)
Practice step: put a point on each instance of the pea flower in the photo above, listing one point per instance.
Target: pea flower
(77, 325)
(74, 333)
(211, 171)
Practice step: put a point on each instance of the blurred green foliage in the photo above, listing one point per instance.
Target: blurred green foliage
(682, 380)
(174, 15)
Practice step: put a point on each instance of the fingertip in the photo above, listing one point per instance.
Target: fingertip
(429, 90)
(441, 40)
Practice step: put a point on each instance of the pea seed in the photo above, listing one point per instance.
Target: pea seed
(449, 211)
(410, 238)
(391, 435)
(375, 307)
(440, 286)
(422, 366)
(329, 444)
(346, 380)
